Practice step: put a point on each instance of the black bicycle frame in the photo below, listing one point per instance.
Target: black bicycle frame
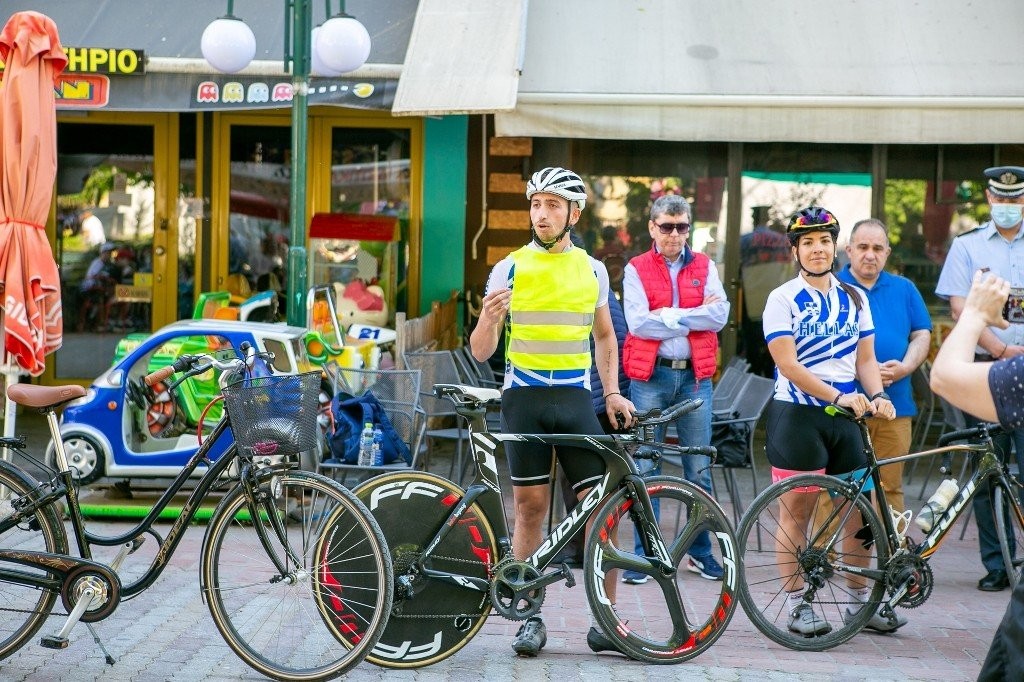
(61, 485)
(485, 490)
(988, 466)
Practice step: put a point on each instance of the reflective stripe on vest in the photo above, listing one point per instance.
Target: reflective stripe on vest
(552, 310)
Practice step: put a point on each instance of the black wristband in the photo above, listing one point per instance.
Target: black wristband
(881, 394)
(835, 401)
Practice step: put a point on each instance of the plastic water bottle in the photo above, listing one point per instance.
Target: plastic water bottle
(366, 445)
(937, 504)
(378, 447)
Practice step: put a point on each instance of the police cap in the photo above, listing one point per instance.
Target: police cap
(1005, 181)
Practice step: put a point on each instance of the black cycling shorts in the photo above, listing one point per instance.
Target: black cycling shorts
(550, 409)
(805, 438)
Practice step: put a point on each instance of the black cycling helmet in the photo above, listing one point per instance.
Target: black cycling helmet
(812, 219)
(808, 220)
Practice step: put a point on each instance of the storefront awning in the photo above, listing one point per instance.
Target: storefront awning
(875, 71)
(464, 57)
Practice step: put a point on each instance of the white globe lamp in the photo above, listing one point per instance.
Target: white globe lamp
(317, 65)
(228, 44)
(342, 44)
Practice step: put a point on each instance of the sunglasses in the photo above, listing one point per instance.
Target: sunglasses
(667, 228)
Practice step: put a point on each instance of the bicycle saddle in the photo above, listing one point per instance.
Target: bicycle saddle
(43, 397)
(467, 394)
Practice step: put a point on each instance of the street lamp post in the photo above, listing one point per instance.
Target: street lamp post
(297, 261)
(342, 44)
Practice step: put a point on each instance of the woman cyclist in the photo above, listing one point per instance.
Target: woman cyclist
(819, 334)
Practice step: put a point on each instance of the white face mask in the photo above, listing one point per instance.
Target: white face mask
(1006, 215)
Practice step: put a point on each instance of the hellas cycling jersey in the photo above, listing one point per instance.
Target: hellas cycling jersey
(825, 328)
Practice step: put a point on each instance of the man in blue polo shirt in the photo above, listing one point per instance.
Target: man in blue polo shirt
(902, 340)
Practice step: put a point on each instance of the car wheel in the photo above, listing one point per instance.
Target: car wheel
(85, 457)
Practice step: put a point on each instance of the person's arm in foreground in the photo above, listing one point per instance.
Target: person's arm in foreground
(606, 357)
(955, 375)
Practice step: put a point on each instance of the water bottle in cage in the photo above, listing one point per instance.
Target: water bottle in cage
(936, 505)
(366, 446)
(377, 452)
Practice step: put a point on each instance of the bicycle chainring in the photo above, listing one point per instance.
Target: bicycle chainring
(106, 586)
(915, 570)
(509, 595)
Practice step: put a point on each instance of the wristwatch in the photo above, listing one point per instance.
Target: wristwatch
(881, 394)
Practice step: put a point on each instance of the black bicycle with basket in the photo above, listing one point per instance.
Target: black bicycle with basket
(288, 597)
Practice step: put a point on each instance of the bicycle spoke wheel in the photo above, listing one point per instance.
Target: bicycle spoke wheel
(323, 613)
(1010, 530)
(672, 618)
(23, 609)
(441, 617)
(780, 555)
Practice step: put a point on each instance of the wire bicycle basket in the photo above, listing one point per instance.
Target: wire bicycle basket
(274, 415)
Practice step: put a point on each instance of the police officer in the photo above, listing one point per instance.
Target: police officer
(998, 247)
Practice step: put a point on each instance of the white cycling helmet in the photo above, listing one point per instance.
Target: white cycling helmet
(558, 181)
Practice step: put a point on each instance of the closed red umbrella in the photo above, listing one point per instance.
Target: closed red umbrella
(33, 58)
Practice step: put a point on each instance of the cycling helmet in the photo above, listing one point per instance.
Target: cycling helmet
(559, 181)
(812, 219)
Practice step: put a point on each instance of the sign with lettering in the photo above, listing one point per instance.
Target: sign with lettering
(110, 60)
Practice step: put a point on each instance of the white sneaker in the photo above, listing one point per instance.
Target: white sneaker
(878, 622)
(803, 621)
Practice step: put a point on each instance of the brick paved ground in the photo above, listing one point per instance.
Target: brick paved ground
(167, 634)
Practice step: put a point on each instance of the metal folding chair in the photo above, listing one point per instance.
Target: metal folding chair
(398, 392)
(439, 367)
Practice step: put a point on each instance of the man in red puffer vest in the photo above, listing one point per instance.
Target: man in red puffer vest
(675, 305)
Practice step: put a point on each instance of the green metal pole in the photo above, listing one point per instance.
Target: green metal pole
(297, 264)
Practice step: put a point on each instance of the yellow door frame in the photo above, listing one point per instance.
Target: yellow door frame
(322, 121)
(318, 191)
(165, 215)
(220, 184)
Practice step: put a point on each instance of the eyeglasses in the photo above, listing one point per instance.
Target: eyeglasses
(667, 228)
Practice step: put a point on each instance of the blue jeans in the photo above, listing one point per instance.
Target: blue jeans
(665, 388)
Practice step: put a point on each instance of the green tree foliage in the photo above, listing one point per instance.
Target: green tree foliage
(904, 207)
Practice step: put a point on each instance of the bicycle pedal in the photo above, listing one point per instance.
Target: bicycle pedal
(53, 642)
(570, 579)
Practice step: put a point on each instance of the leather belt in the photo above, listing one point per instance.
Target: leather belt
(674, 364)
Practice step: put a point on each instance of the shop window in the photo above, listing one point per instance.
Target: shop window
(259, 220)
(370, 176)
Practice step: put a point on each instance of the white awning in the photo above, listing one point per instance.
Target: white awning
(885, 71)
(464, 57)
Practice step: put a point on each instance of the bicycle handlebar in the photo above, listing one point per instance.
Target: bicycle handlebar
(655, 417)
(192, 365)
(179, 365)
(980, 431)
